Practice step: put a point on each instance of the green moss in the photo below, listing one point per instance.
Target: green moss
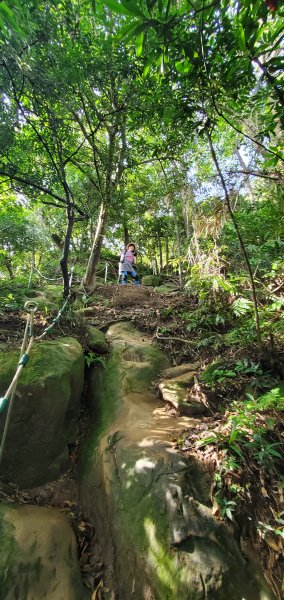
(96, 340)
(166, 289)
(54, 292)
(45, 305)
(153, 280)
(45, 411)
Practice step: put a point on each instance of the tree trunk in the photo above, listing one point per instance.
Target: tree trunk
(89, 278)
(160, 254)
(126, 236)
(167, 254)
(184, 202)
(273, 81)
(58, 241)
(32, 268)
(125, 228)
(66, 248)
(179, 252)
(243, 249)
(8, 265)
(156, 265)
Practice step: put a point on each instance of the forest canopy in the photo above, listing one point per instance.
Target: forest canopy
(157, 121)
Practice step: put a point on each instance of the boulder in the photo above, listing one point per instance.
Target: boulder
(150, 504)
(34, 294)
(96, 340)
(153, 280)
(38, 555)
(177, 391)
(45, 411)
(180, 369)
(88, 311)
(54, 292)
(167, 289)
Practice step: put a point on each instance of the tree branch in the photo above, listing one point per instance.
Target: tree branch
(255, 174)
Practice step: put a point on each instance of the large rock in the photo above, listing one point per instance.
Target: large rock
(96, 340)
(38, 555)
(177, 390)
(180, 370)
(45, 412)
(151, 505)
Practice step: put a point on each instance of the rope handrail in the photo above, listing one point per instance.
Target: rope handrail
(28, 341)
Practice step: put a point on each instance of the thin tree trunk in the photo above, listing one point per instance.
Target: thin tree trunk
(89, 278)
(156, 265)
(126, 235)
(160, 254)
(179, 252)
(125, 225)
(58, 241)
(32, 268)
(184, 203)
(167, 254)
(273, 81)
(8, 266)
(66, 248)
(243, 249)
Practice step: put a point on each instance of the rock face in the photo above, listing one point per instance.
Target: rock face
(96, 340)
(45, 412)
(179, 390)
(38, 555)
(150, 504)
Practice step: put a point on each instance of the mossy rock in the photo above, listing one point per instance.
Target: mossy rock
(149, 503)
(38, 555)
(153, 280)
(35, 294)
(131, 368)
(45, 411)
(96, 340)
(55, 291)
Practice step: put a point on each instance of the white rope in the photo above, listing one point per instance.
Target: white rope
(26, 347)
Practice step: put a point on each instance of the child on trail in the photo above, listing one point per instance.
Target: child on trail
(126, 264)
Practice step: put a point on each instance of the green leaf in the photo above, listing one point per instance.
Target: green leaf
(229, 514)
(139, 43)
(237, 450)
(129, 31)
(133, 8)
(148, 64)
(209, 440)
(241, 38)
(179, 65)
(233, 433)
(117, 7)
